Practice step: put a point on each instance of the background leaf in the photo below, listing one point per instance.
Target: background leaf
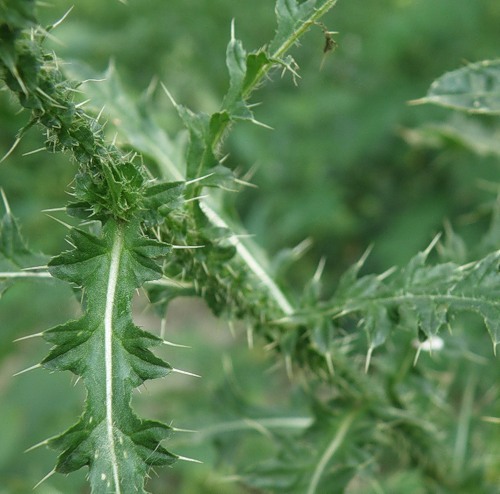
(474, 89)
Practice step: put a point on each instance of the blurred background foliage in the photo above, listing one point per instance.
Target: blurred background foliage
(348, 164)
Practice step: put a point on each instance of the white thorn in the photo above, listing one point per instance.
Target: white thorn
(199, 179)
(52, 100)
(417, 355)
(34, 151)
(56, 24)
(184, 458)
(432, 244)
(196, 198)
(365, 255)
(100, 113)
(386, 274)
(5, 202)
(69, 227)
(33, 367)
(233, 39)
(53, 210)
(37, 445)
(187, 246)
(52, 472)
(245, 183)
(261, 124)
(35, 268)
(319, 270)
(368, 359)
(176, 345)
(83, 103)
(175, 429)
(167, 92)
(93, 80)
(9, 152)
(35, 335)
(178, 371)
(163, 328)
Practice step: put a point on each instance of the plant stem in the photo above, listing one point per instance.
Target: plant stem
(333, 446)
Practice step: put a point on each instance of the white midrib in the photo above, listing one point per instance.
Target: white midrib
(250, 261)
(108, 351)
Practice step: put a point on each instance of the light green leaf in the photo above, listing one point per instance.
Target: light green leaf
(290, 14)
(460, 130)
(294, 18)
(474, 89)
(111, 355)
(236, 65)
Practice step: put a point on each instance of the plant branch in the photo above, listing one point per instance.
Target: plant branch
(331, 449)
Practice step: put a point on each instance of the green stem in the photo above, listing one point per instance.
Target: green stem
(275, 56)
(463, 426)
(332, 448)
(284, 47)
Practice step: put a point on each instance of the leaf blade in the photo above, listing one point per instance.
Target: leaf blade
(111, 354)
(473, 89)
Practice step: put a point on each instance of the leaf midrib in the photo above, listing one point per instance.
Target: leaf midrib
(114, 268)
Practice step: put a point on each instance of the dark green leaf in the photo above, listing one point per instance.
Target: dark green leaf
(112, 356)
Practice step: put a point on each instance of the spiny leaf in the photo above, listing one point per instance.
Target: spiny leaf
(293, 19)
(243, 70)
(236, 64)
(107, 180)
(290, 14)
(111, 355)
(423, 294)
(163, 198)
(245, 73)
(474, 89)
(132, 119)
(204, 134)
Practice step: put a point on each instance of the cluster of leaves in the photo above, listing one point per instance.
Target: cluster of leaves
(130, 220)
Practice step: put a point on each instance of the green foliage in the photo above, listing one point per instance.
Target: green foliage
(155, 212)
(111, 354)
(420, 296)
(473, 88)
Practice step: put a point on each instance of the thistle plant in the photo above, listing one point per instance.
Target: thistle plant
(165, 227)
